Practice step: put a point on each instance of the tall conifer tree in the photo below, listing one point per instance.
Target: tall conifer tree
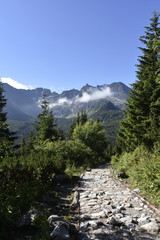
(45, 124)
(6, 136)
(141, 122)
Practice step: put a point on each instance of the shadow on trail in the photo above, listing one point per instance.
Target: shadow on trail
(125, 235)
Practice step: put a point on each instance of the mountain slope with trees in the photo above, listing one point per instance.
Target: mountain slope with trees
(104, 102)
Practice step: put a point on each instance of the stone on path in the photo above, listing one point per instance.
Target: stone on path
(61, 231)
(110, 210)
(151, 227)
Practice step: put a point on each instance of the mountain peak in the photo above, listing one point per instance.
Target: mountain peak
(120, 90)
(69, 94)
(87, 88)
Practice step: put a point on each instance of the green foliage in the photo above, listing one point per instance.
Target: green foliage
(18, 191)
(142, 166)
(79, 154)
(29, 174)
(110, 121)
(45, 124)
(80, 120)
(92, 135)
(24, 180)
(71, 153)
(42, 226)
(6, 136)
(139, 135)
(141, 123)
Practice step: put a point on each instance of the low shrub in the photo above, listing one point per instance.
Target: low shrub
(143, 168)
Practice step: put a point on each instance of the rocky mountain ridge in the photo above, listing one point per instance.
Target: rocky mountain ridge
(104, 102)
(25, 104)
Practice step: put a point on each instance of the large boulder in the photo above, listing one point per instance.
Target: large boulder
(61, 229)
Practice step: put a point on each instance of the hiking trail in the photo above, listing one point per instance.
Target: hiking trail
(110, 210)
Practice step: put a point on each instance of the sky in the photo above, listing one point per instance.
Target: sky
(65, 44)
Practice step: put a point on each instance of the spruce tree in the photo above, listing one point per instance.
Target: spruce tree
(141, 123)
(6, 136)
(45, 124)
(155, 105)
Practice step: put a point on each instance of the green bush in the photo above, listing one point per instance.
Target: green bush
(92, 135)
(142, 166)
(72, 152)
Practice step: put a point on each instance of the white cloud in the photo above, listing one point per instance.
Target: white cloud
(86, 97)
(95, 95)
(60, 102)
(15, 84)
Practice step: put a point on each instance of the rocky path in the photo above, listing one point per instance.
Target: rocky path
(109, 210)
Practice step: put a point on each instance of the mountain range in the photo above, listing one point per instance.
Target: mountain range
(104, 102)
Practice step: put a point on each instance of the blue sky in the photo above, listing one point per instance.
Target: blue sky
(64, 44)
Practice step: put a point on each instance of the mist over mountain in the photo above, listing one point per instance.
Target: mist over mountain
(24, 104)
(103, 102)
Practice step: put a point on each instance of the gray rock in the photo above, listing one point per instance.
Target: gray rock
(93, 196)
(114, 222)
(127, 220)
(75, 202)
(129, 205)
(84, 226)
(119, 215)
(98, 215)
(85, 217)
(151, 227)
(136, 190)
(138, 209)
(122, 175)
(29, 218)
(95, 207)
(92, 223)
(143, 220)
(92, 203)
(61, 231)
(53, 219)
(116, 211)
